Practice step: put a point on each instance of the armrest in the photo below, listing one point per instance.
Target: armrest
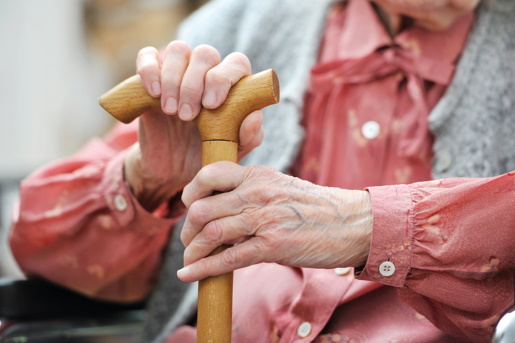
(37, 298)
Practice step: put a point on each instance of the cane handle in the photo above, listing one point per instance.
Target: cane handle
(128, 100)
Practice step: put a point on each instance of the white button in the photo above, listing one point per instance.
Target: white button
(342, 271)
(370, 129)
(387, 268)
(304, 329)
(120, 203)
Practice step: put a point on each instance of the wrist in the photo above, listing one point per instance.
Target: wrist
(357, 208)
(367, 219)
(150, 191)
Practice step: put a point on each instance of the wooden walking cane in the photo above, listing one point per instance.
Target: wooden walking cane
(219, 130)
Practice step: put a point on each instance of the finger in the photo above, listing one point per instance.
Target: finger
(148, 67)
(256, 141)
(216, 233)
(220, 176)
(175, 62)
(205, 210)
(239, 256)
(251, 133)
(203, 58)
(222, 77)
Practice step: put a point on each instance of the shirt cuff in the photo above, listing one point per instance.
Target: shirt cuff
(389, 260)
(125, 208)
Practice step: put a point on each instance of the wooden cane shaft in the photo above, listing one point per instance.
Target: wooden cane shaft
(216, 151)
(214, 318)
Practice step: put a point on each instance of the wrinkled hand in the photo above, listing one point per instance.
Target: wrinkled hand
(274, 218)
(168, 154)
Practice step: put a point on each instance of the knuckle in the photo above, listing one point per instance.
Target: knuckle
(206, 174)
(198, 213)
(247, 223)
(262, 196)
(208, 54)
(146, 62)
(148, 50)
(230, 257)
(259, 252)
(213, 232)
(240, 62)
(217, 79)
(204, 49)
(273, 237)
(178, 48)
(271, 241)
(266, 172)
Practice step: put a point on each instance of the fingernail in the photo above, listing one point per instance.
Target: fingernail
(171, 105)
(209, 99)
(185, 113)
(181, 273)
(156, 88)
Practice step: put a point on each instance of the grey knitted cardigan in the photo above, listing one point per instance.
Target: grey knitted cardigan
(473, 124)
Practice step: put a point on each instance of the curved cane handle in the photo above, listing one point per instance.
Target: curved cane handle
(128, 100)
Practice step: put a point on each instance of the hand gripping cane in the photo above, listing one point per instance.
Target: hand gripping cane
(219, 130)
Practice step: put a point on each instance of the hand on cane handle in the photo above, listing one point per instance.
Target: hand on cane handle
(128, 100)
(219, 130)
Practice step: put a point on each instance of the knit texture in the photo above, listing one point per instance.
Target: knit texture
(473, 124)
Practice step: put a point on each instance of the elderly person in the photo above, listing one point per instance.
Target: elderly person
(373, 94)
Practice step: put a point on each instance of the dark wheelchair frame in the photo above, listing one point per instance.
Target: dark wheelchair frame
(36, 311)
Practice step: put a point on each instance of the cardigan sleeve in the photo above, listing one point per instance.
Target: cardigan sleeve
(78, 224)
(448, 247)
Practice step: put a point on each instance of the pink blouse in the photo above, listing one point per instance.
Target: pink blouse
(441, 252)
(369, 98)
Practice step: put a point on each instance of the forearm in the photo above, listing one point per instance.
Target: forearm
(79, 225)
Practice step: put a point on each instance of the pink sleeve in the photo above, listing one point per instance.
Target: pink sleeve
(78, 224)
(451, 245)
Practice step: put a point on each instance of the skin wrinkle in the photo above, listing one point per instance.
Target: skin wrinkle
(295, 205)
(315, 192)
